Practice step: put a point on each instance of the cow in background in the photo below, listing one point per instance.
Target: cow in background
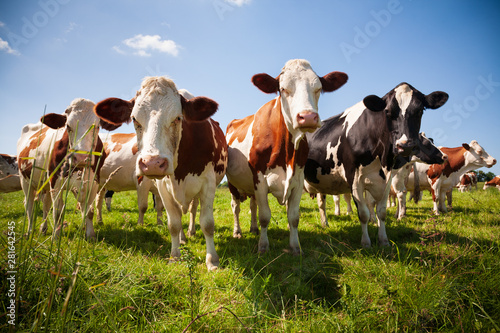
(467, 181)
(62, 151)
(179, 146)
(9, 174)
(357, 150)
(441, 178)
(118, 173)
(268, 150)
(495, 182)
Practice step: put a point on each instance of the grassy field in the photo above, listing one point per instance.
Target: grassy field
(440, 274)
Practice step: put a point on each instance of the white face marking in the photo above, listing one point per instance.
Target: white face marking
(157, 116)
(82, 125)
(300, 89)
(479, 156)
(404, 95)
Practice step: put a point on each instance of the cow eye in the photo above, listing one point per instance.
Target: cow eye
(136, 124)
(177, 120)
(285, 92)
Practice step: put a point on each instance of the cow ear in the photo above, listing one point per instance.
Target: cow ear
(54, 120)
(374, 103)
(266, 83)
(466, 146)
(333, 81)
(436, 99)
(114, 112)
(198, 108)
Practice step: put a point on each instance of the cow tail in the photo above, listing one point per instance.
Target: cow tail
(416, 186)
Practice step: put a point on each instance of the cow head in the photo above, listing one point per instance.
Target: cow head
(82, 128)
(404, 107)
(299, 88)
(478, 156)
(157, 111)
(428, 152)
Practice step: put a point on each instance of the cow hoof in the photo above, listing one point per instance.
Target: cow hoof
(255, 231)
(296, 251)
(384, 242)
(263, 249)
(212, 262)
(366, 244)
(237, 234)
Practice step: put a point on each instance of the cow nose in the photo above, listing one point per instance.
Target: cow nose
(153, 166)
(79, 160)
(308, 119)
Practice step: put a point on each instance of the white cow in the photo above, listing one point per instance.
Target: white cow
(9, 174)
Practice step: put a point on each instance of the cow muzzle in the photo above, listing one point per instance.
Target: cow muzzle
(79, 161)
(153, 166)
(308, 121)
(406, 148)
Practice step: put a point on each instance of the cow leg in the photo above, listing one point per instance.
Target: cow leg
(401, 208)
(207, 225)
(235, 207)
(254, 228)
(381, 216)
(449, 197)
(321, 198)
(86, 199)
(142, 200)
(107, 198)
(293, 214)
(264, 218)
(29, 200)
(57, 209)
(363, 214)
(193, 208)
(347, 198)
(442, 202)
(435, 196)
(336, 202)
(370, 202)
(98, 205)
(46, 203)
(159, 209)
(174, 220)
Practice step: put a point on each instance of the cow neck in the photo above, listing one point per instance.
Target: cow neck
(58, 155)
(200, 144)
(456, 160)
(273, 145)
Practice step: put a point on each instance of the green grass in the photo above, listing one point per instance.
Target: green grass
(440, 274)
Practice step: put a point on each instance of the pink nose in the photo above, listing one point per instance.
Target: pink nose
(79, 160)
(308, 119)
(153, 166)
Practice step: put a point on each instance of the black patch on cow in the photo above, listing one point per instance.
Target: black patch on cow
(382, 174)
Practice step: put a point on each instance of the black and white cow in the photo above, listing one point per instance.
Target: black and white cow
(357, 150)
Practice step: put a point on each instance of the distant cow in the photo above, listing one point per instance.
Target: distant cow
(357, 150)
(180, 146)
(9, 174)
(268, 150)
(428, 154)
(495, 182)
(118, 173)
(467, 181)
(64, 150)
(441, 178)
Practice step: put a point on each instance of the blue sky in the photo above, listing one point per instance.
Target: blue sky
(52, 51)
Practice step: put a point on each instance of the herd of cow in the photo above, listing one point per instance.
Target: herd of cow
(180, 154)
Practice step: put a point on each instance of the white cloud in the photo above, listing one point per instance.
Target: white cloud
(238, 3)
(4, 46)
(2, 24)
(144, 44)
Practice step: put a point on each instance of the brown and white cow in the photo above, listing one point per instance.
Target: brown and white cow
(9, 174)
(118, 173)
(495, 182)
(180, 146)
(467, 181)
(268, 150)
(61, 152)
(441, 178)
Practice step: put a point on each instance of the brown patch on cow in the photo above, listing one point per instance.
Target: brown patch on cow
(494, 182)
(140, 179)
(120, 139)
(455, 161)
(25, 164)
(11, 160)
(135, 149)
(239, 128)
(272, 144)
(200, 146)
(465, 180)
